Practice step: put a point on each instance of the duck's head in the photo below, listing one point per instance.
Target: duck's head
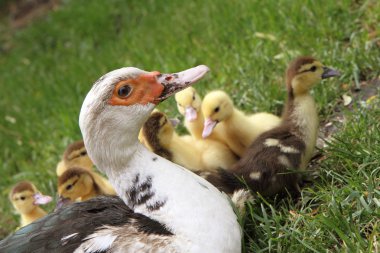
(76, 155)
(25, 197)
(117, 106)
(304, 72)
(75, 183)
(216, 107)
(188, 103)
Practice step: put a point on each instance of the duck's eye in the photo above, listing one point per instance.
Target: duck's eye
(313, 69)
(22, 198)
(179, 105)
(69, 187)
(124, 91)
(193, 97)
(83, 153)
(217, 109)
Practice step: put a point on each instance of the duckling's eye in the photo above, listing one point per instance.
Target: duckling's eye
(179, 104)
(217, 109)
(193, 97)
(124, 91)
(83, 153)
(22, 198)
(163, 122)
(313, 69)
(69, 187)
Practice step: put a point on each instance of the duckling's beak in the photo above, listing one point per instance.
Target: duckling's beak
(178, 81)
(40, 199)
(327, 72)
(208, 127)
(174, 121)
(190, 113)
(62, 201)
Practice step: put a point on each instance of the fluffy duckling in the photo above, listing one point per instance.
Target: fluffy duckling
(161, 138)
(275, 159)
(25, 199)
(74, 155)
(189, 105)
(78, 184)
(232, 126)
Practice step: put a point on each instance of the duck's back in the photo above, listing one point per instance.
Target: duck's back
(66, 229)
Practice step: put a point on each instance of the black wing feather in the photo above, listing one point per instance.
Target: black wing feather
(84, 218)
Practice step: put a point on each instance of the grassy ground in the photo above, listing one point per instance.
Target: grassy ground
(48, 67)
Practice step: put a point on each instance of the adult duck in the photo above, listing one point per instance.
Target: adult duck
(164, 207)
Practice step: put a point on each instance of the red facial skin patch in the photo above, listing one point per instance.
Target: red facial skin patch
(144, 89)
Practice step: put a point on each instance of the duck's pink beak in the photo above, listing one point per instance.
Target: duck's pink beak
(190, 114)
(40, 199)
(208, 127)
(174, 121)
(178, 81)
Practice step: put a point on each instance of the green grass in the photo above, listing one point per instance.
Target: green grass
(52, 64)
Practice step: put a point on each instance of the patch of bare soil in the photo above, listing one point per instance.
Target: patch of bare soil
(23, 12)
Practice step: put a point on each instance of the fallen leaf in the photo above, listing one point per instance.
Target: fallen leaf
(265, 36)
(293, 213)
(10, 119)
(345, 86)
(346, 100)
(279, 56)
(371, 99)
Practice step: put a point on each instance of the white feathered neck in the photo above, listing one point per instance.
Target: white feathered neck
(200, 216)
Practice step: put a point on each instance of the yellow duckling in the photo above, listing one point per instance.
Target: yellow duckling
(74, 155)
(231, 125)
(189, 104)
(25, 199)
(78, 184)
(196, 155)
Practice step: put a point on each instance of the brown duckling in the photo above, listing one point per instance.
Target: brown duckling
(26, 199)
(74, 155)
(273, 162)
(78, 184)
(196, 155)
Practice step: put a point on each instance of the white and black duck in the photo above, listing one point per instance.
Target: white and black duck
(163, 207)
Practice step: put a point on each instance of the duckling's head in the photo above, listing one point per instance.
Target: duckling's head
(75, 183)
(25, 197)
(158, 130)
(188, 103)
(76, 155)
(304, 72)
(216, 107)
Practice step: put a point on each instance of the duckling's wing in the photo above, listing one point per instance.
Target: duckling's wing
(92, 222)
